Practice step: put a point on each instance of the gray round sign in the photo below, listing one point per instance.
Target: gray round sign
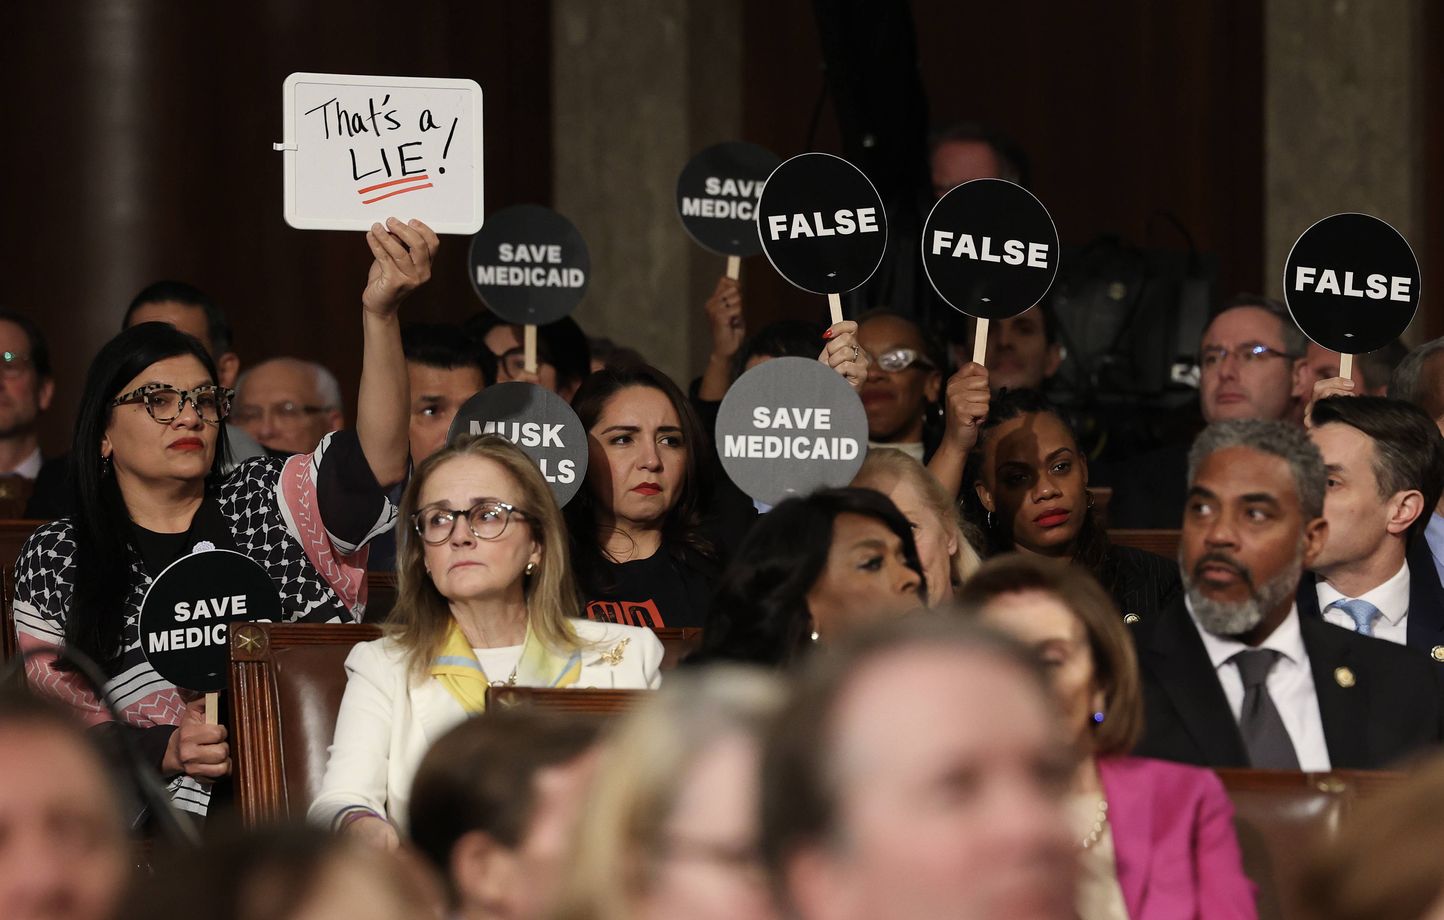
(539, 422)
(790, 426)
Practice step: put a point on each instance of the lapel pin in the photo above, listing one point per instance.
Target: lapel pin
(614, 657)
(1437, 653)
(1344, 677)
(1131, 618)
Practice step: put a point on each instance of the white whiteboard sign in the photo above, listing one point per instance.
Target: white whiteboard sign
(360, 149)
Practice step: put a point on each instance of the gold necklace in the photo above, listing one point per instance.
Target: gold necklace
(1100, 822)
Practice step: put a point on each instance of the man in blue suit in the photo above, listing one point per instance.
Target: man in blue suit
(1375, 574)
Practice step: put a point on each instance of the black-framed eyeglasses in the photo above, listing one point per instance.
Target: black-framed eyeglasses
(285, 412)
(1211, 358)
(165, 403)
(487, 520)
(14, 364)
(896, 360)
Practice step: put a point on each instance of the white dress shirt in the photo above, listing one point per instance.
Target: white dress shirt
(1290, 685)
(29, 468)
(1392, 599)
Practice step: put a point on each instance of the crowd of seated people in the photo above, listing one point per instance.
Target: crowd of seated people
(949, 688)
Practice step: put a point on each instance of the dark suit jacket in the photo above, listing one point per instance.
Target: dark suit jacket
(1141, 582)
(1426, 602)
(1391, 710)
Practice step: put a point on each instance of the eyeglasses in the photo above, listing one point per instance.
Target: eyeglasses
(287, 413)
(1243, 354)
(13, 364)
(164, 403)
(487, 520)
(513, 362)
(897, 360)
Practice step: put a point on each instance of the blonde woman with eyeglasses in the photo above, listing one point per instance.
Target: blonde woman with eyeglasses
(485, 597)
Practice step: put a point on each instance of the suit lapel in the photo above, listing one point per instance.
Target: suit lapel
(1426, 602)
(1129, 793)
(1344, 710)
(1181, 667)
(1307, 597)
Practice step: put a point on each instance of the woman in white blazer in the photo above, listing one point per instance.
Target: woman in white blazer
(485, 596)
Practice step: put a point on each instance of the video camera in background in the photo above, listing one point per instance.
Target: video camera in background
(1129, 320)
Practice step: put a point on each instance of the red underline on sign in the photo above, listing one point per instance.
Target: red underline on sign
(371, 188)
(412, 188)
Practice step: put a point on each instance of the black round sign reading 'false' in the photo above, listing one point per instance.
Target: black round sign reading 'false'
(539, 422)
(822, 223)
(990, 248)
(529, 264)
(1351, 282)
(789, 426)
(717, 196)
(187, 615)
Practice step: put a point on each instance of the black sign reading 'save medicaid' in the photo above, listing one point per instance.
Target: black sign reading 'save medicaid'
(529, 265)
(717, 195)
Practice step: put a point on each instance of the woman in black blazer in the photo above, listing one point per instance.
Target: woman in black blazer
(1032, 482)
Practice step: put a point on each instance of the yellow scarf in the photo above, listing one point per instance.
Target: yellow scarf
(457, 669)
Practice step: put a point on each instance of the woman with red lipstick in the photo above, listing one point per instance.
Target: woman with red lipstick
(149, 445)
(638, 540)
(1033, 486)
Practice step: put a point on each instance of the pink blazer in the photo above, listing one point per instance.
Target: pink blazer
(1177, 850)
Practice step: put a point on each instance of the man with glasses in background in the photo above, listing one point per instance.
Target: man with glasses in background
(288, 405)
(26, 388)
(1249, 359)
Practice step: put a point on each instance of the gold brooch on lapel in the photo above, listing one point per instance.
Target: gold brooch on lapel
(1344, 677)
(614, 657)
(1437, 653)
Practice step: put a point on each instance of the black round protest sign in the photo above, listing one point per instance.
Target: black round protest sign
(717, 195)
(1352, 283)
(790, 426)
(990, 249)
(529, 264)
(822, 223)
(186, 617)
(539, 422)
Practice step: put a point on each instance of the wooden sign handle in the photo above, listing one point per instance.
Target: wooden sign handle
(834, 303)
(980, 341)
(734, 267)
(212, 715)
(1346, 366)
(529, 348)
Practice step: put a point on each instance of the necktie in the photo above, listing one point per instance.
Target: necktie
(1264, 735)
(1363, 613)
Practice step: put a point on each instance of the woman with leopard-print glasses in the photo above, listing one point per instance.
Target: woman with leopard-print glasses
(150, 441)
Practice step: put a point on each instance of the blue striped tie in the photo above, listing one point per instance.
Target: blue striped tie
(1363, 613)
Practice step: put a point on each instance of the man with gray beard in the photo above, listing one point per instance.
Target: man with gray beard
(1233, 676)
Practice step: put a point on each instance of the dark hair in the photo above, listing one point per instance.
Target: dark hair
(1296, 345)
(446, 346)
(608, 352)
(39, 350)
(1115, 664)
(1090, 547)
(218, 328)
(682, 536)
(801, 804)
(101, 523)
(1011, 157)
(561, 344)
(1377, 367)
(787, 338)
(481, 776)
(1408, 450)
(759, 614)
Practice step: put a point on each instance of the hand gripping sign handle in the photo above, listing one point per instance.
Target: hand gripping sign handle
(980, 341)
(834, 303)
(529, 348)
(1346, 366)
(212, 701)
(734, 267)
